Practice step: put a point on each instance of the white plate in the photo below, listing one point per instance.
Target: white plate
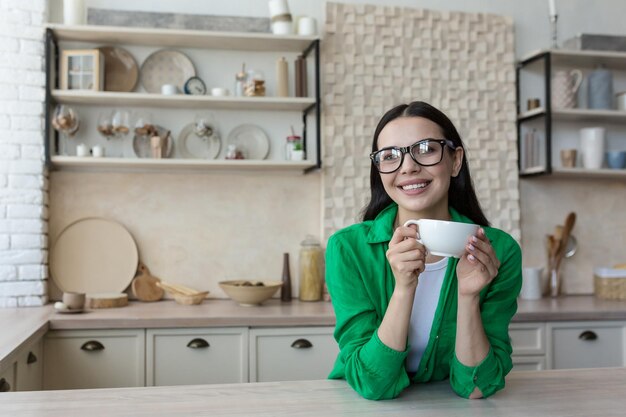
(251, 139)
(94, 255)
(191, 145)
(166, 66)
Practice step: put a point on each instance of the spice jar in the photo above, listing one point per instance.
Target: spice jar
(311, 270)
(293, 143)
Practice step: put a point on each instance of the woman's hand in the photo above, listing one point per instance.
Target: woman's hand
(406, 256)
(478, 266)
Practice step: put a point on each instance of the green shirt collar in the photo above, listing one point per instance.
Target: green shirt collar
(382, 226)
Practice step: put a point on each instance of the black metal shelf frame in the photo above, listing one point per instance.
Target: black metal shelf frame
(52, 63)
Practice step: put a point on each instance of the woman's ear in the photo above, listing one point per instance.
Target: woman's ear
(457, 160)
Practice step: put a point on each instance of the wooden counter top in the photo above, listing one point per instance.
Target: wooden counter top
(589, 392)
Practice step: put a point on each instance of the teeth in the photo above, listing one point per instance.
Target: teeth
(414, 186)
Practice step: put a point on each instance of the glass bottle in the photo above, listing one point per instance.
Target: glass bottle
(285, 290)
(240, 81)
(311, 270)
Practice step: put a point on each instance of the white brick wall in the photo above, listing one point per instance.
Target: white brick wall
(23, 177)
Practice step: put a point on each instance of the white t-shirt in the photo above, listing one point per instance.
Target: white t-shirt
(424, 306)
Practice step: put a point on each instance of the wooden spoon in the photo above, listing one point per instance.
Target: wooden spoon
(145, 287)
(567, 231)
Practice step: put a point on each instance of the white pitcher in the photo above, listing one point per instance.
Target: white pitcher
(565, 85)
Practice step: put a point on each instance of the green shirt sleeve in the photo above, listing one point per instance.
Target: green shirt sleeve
(497, 308)
(372, 369)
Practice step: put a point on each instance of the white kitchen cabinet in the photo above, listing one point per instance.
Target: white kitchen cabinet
(197, 356)
(292, 353)
(529, 363)
(7, 378)
(94, 359)
(29, 373)
(529, 346)
(592, 344)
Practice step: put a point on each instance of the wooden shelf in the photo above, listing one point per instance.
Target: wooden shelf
(89, 163)
(582, 58)
(577, 115)
(589, 173)
(181, 100)
(242, 41)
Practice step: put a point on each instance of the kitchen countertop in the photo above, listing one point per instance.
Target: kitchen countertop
(26, 324)
(587, 392)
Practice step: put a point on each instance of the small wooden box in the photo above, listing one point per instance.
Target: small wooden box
(82, 69)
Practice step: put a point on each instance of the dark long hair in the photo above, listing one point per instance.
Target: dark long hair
(461, 194)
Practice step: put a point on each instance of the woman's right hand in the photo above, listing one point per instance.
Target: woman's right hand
(406, 256)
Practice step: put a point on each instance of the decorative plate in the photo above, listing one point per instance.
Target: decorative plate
(120, 69)
(166, 66)
(143, 149)
(191, 145)
(251, 140)
(94, 255)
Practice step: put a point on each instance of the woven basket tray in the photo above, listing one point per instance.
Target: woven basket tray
(610, 284)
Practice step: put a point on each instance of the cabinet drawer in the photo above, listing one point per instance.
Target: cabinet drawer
(586, 345)
(30, 368)
(528, 363)
(94, 359)
(288, 354)
(197, 356)
(528, 338)
(7, 378)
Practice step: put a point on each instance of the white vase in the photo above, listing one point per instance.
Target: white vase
(592, 147)
(74, 12)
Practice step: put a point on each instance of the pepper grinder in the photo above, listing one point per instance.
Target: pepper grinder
(285, 290)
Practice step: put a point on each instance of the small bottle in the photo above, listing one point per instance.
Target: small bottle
(240, 81)
(311, 270)
(282, 78)
(301, 82)
(285, 290)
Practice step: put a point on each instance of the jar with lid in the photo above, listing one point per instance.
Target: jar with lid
(293, 143)
(311, 270)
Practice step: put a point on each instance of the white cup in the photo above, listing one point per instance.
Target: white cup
(169, 89)
(531, 283)
(307, 26)
(444, 238)
(592, 147)
(74, 12)
(81, 150)
(219, 92)
(97, 151)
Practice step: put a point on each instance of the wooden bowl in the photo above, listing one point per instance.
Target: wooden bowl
(191, 299)
(250, 293)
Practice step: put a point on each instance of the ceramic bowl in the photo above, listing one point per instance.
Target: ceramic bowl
(616, 159)
(189, 299)
(249, 292)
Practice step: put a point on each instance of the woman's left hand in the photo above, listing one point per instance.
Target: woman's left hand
(478, 266)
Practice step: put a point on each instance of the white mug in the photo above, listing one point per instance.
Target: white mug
(169, 89)
(531, 283)
(592, 147)
(444, 238)
(307, 26)
(81, 150)
(97, 151)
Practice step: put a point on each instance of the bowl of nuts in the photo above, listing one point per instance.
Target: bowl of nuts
(250, 293)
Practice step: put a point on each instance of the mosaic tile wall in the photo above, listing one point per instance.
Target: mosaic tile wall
(376, 57)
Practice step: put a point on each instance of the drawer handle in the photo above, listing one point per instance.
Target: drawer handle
(31, 358)
(301, 344)
(198, 344)
(588, 335)
(4, 385)
(92, 346)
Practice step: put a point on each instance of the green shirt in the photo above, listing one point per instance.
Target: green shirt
(360, 282)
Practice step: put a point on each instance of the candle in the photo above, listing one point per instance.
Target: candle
(552, 6)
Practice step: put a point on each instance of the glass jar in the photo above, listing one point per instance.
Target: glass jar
(293, 143)
(311, 270)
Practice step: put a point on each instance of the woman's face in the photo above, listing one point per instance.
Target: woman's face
(420, 192)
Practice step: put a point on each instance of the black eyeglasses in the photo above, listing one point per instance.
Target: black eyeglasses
(426, 152)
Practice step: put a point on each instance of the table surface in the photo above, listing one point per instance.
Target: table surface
(588, 392)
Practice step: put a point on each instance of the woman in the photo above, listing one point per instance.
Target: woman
(404, 315)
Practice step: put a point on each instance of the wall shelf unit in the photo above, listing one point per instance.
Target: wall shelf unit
(168, 38)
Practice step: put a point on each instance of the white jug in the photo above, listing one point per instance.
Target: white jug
(565, 85)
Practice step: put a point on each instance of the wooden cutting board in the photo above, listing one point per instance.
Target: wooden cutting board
(107, 300)
(144, 285)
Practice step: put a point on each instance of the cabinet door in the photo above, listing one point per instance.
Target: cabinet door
(197, 356)
(528, 338)
(289, 354)
(529, 363)
(587, 345)
(7, 378)
(94, 359)
(30, 369)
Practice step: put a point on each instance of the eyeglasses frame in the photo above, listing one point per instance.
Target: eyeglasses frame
(408, 149)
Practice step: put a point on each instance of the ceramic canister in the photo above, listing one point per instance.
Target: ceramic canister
(565, 85)
(592, 147)
(600, 89)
